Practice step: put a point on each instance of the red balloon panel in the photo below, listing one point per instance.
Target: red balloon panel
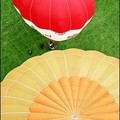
(40, 12)
(78, 13)
(90, 5)
(60, 18)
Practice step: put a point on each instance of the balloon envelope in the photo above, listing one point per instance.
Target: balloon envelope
(63, 85)
(56, 19)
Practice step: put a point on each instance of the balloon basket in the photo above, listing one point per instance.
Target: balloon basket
(52, 45)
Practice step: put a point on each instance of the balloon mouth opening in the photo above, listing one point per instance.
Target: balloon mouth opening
(74, 117)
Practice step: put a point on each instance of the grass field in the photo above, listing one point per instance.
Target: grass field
(18, 38)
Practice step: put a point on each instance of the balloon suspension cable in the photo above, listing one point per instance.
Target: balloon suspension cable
(52, 44)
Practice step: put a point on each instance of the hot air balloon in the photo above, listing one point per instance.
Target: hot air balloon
(57, 20)
(63, 85)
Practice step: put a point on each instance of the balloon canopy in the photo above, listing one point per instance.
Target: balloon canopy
(63, 85)
(56, 19)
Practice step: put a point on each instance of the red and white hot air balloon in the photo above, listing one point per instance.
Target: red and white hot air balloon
(57, 20)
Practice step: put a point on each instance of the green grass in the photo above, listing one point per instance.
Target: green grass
(17, 37)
